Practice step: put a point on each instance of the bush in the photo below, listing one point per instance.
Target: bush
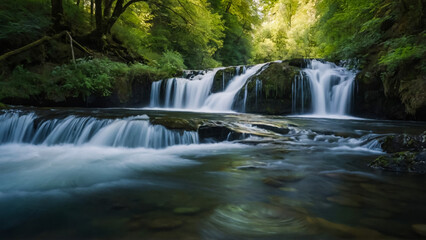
(85, 78)
(21, 84)
(23, 21)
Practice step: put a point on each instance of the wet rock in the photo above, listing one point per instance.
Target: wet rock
(250, 167)
(165, 223)
(176, 123)
(272, 128)
(344, 201)
(406, 153)
(403, 142)
(269, 91)
(402, 162)
(222, 78)
(186, 210)
(420, 229)
(273, 182)
(208, 133)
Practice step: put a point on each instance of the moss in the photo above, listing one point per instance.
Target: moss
(177, 123)
(400, 162)
(273, 95)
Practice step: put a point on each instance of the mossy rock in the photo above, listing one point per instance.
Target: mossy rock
(269, 91)
(403, 142)
(402, 162)
(222, 78)
(176, 123)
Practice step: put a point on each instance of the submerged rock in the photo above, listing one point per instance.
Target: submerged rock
(186, 210)
(344, 201)
(280, 181)
(165, 223)
(420, 229)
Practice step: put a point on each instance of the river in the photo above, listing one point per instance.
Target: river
(64, 173)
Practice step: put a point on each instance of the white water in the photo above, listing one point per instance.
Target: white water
(130, 132)
(183, 93)
(223, 101)
(195, 94)
(330, 90)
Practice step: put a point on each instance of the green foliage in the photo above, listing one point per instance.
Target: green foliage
(286, 31)
(239, 17)
(347, 29)
(402, 49)
(22, 21)
(21, 84)
(77, 17)
(88, 77)
(171, 62)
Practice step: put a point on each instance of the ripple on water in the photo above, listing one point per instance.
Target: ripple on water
(255, 219)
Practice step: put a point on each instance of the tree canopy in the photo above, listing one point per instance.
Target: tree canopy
(209, 33)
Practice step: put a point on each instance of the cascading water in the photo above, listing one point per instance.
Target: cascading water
(195, 93)
(223, 101)
(183, 93)
(326, 87)
(130, 132)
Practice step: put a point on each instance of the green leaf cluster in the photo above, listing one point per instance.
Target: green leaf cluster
(87, 77)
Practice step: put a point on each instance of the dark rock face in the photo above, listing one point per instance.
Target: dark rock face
(405, 154)
(404, 142)
(398, 94)
(222, 78)
(272, 128)
(209, 133)
(269, 91)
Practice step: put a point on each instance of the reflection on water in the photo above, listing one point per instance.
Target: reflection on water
(311, 182)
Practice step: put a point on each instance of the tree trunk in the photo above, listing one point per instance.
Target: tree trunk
(107, 8)
(57, 13)
(78, 2)
(91, 11)
(99, 18)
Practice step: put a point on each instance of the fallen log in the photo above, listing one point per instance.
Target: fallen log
(41, 41)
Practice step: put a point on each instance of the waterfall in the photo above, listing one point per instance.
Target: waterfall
(195, 93)
(130, 132)
(222, 101)
(326, 87)
(183, 93)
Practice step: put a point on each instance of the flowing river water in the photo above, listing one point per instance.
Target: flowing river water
(86, 173)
